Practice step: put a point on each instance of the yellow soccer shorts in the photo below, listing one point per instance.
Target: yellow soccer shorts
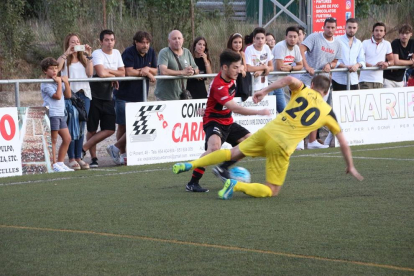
(277, 161)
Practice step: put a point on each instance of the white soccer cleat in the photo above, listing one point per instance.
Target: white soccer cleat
(316, 145)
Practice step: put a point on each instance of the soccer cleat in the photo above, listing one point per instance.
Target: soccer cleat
(227, 191)
(195, 187)
(181, 167)
(94, 163)
(113, 154)
(221, 173)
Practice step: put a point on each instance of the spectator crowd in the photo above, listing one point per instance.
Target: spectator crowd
(260, 52)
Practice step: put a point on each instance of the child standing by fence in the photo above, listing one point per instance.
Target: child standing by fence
(53, 96)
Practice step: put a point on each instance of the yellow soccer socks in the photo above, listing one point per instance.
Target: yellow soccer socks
(253, 189)
(213, 158)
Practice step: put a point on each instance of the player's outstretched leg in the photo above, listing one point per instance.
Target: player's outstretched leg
(181, 167)
(227, 191)
(222, 171)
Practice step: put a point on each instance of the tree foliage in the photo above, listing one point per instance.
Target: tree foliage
(363, 6)
(14, 39)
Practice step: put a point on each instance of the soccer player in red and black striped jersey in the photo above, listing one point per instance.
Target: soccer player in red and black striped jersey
(218, 121)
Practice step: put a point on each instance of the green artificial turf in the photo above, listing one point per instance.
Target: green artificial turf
(140, 221)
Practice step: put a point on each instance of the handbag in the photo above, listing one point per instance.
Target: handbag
(78, 103)
(185, 94)
(243, 86)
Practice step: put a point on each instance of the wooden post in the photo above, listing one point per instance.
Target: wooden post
(104, 13)
(192, 21)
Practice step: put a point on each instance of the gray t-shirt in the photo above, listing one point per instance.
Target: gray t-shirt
(321, 52)
(171, 89)
(56, 107)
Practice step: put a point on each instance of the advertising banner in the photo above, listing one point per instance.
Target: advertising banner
(339, 9)
(376, 115)
(170, 131)
(10, 150)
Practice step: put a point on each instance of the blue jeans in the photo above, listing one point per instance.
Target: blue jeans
(75, 146)
(280, 99)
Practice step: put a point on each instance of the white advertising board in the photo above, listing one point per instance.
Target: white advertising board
(170, 131)
(376, 115)
(10, 147)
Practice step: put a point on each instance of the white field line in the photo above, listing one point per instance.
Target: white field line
(324, 155)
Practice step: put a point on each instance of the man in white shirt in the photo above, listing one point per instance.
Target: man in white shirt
(286, 58)
(107, 63)
(377, 51)
(259, 59)
(353, 57)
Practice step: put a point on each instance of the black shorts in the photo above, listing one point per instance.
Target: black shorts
(102, 111)
(230, 134)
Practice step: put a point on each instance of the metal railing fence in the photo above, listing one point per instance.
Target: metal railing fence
(17, 82)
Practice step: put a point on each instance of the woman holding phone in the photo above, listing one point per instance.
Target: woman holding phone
(199, 49)
(76, 63)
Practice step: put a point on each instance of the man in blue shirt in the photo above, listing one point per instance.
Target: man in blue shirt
(140, 61)
(353, 57)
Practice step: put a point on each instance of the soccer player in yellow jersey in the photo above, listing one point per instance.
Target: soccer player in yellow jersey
(305, 112)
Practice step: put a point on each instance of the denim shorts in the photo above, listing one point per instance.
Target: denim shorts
(120, 111)
(57, 123)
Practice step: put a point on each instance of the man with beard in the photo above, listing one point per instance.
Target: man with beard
(167, 65)
(378, 53)
(218, 122)
(286, 58)
(402, 50)
(140, 61)
(353, 57)
(320, 51)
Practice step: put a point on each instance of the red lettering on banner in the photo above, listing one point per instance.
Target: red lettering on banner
(191, 133)
(3, 130)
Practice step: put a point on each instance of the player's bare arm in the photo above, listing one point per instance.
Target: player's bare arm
(233, 106)
(292, 82)
(346, 152)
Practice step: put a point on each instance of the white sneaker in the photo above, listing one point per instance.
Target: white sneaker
(113, 153)
(64, 167)
(316, 145)
(123, 159)
(301, 145)
(328, 139)
(57, 168)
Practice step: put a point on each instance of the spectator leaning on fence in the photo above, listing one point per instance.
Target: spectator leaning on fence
(140, 61)
(378, 53)
(75, 65)
(322, 53)
(402, 50)
(53, 95)
(167, 65)
(353, 57)
(259, 59)
(286, 58)
(107, 63)
(270, 41)
(199, 49)
(302, 34)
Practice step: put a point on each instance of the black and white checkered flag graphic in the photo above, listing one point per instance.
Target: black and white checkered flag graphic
(141, 132)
